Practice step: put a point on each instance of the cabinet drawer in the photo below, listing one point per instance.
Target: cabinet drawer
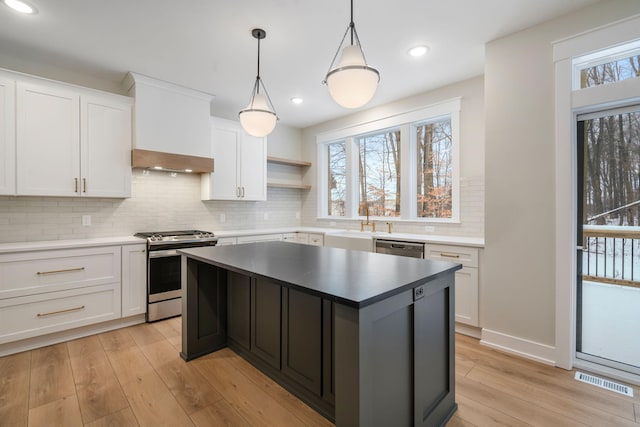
(260, 238)
(316, 239)
(290, 237)
(34, 315)
(29, 273)
(468, 257)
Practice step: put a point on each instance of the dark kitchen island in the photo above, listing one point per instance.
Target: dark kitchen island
(366, 339)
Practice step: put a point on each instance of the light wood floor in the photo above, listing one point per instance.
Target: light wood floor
(134, 376)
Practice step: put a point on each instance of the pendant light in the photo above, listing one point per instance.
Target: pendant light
(351, 82)
(259, 118)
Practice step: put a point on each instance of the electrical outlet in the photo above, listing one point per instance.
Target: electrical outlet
(297, 215)
(429, 228)
(223, 217)
(418, 292)
(266, 216)
(86, 220)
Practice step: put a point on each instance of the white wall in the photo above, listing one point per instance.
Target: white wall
(518, 296)
(159, 202)
(471, 156)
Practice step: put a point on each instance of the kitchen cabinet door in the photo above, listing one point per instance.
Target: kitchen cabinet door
(48, 141)
(7, 137)
(240, 164)
(253, 168)
(239, 308)
(105, 147)
(467, 296)
(134, 279)
(302, 338)
(265, 321)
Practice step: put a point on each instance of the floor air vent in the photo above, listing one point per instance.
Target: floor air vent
(606, 384)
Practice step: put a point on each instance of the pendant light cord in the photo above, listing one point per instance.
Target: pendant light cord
(258, 76)
(352, 26)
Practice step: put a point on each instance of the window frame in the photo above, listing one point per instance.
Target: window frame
(407, 122)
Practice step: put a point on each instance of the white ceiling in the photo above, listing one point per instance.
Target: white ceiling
(207, 45)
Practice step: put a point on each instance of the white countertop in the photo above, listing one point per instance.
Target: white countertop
(69, 244)
(425, 238)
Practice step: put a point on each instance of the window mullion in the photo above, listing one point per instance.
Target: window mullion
(408, 172)
(351, 202)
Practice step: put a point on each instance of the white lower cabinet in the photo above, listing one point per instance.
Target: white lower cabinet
(260, 238)
(53, 290)
(134, 279)
(304, 238)
(466, 278)
(315, 239)
(35, 315)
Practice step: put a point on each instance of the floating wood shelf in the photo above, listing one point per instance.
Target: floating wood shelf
(286, 185)
(289, 162)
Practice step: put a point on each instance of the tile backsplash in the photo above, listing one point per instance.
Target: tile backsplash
(159, 201)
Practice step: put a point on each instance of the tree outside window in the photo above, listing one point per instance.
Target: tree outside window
(379, 173)
(435, 180)
(337, 185)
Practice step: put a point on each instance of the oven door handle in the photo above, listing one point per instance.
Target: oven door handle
(163, 253)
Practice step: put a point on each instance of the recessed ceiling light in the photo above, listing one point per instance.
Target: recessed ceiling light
(21, 6)
(297, 100)
(158, 168)
(418, 51)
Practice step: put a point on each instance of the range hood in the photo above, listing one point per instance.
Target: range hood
(147, 159)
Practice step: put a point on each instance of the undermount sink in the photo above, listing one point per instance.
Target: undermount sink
(360, 234)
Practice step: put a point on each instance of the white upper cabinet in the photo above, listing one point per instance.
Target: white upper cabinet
(170, 118)
(7, 137)
(105, 147)
(240, 164)
(72, 144)
(48, 141)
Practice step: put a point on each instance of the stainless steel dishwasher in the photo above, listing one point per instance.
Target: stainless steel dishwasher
(396, 247)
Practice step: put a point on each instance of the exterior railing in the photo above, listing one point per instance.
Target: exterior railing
(611, 254)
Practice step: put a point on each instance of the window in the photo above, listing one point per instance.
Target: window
(337, 174)
(372, 165)
(379, 173)
(607, 66)
(434, 166)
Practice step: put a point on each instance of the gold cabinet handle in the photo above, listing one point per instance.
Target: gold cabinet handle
(84, 185)
(449, 255)
(68, 270)
(75, 186)
(51, 313)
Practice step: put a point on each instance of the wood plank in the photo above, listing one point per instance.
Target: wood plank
(98, 390)
(250, 400)
(290, 402)
(129, 364)
(116, 340)
(636, 407)
(124, 418)
(516, 407)
(545, 376)
(185, 382)
(51, 377)
(482, 415)
(219, 414)
(84, 346)
(463, 365)
(62, 412)
(153, 404)
(456, 421)
(167, 329)
(144, 334)
(546, 398)
(179, 162)
(14, 389)
(289, 162)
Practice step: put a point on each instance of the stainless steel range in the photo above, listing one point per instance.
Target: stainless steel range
(163, 269)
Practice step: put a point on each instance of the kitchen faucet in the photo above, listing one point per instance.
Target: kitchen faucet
(363, 224)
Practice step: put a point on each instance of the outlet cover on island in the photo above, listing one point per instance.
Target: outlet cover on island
(429, 228)
(86, 220)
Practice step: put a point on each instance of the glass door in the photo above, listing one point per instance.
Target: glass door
(608, 294)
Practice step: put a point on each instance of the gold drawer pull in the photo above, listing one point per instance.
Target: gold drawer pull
(450, 255)
(51, 313)
(69, 270)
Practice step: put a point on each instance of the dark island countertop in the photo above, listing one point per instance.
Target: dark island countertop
(352, 278)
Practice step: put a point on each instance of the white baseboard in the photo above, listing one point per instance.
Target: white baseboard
(471, 331)
(529, 349)
(72, 334)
